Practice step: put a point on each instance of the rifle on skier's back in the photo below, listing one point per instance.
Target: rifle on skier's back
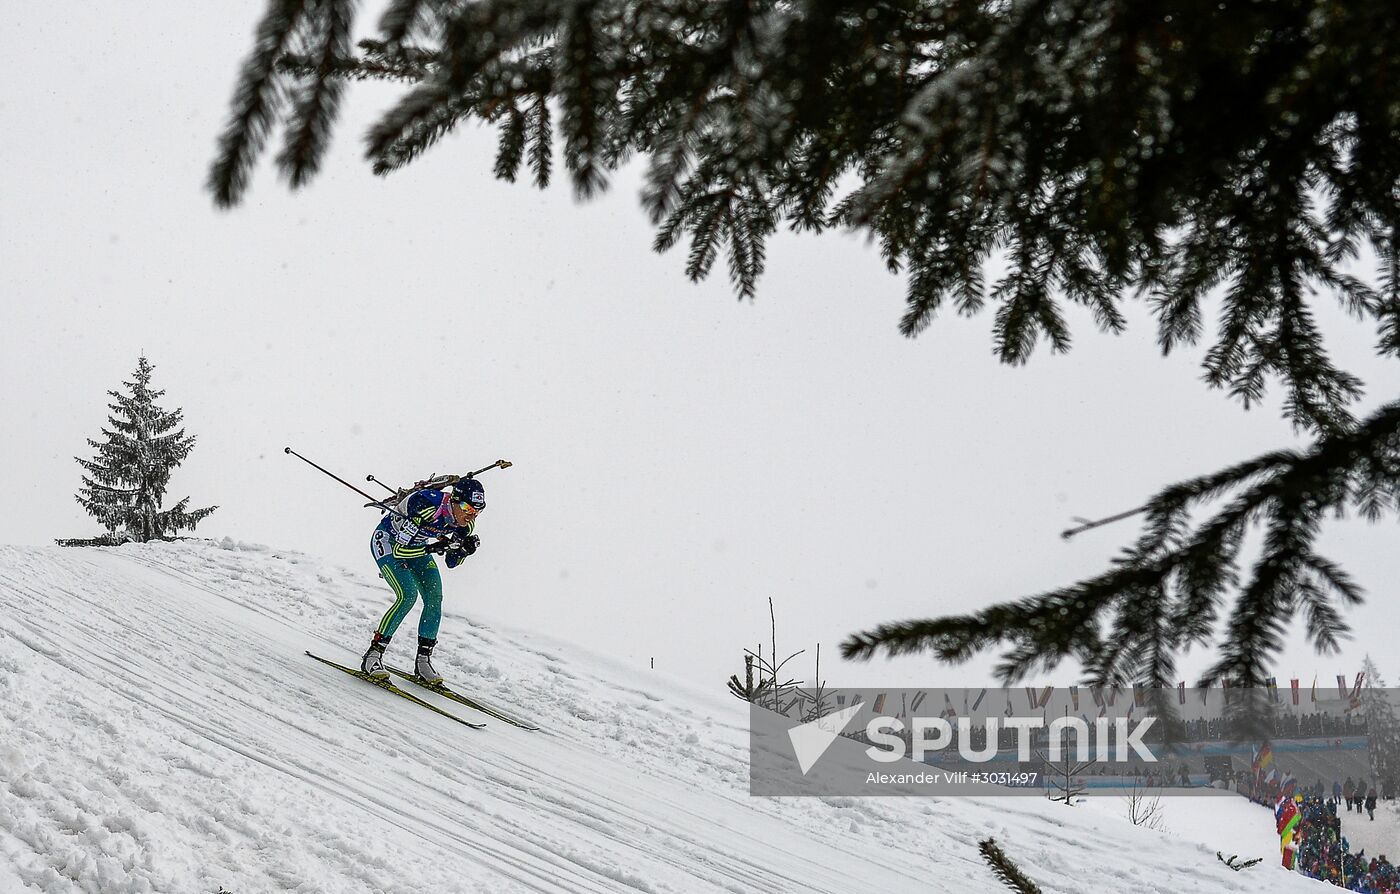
(398, 494)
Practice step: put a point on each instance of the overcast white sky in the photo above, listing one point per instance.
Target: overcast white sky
(679, 456)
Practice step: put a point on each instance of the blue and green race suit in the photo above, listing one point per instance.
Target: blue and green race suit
(399, 547)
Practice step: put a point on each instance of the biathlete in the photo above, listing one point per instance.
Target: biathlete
(425, 522)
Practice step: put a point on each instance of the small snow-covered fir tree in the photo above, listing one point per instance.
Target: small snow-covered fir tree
(1382, 728)
(124, 485)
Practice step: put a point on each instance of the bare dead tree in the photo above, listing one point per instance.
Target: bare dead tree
(1065, 776)
(1145, 806)
(817, 698)
(767, 692)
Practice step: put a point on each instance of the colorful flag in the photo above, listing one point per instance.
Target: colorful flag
(1273, 689)
(1354, 701)
(1045, 695)
(1287, 816)
(879, 703)
(918, 700)
(981, 695)
(1074, 696)
(1314, 688)
(1295, 690)
(1030, 697)
(1342, 686)
(1181, 693)
(1263, 757)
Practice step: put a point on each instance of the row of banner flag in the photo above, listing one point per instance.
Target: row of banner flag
(1352, 696)
(1104, 698)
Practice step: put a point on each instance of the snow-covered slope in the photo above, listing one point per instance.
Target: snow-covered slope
(161, 731)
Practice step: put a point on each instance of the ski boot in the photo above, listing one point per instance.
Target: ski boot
(423, 666)
(372, 665)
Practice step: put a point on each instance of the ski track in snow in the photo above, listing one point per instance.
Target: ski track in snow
(163, 732)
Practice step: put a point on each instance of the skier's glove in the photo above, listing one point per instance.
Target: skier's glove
(460, 549)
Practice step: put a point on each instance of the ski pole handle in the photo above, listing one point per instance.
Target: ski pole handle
(381, 484)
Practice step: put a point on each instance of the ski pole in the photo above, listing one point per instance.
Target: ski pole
(331, 474)
(381, 484)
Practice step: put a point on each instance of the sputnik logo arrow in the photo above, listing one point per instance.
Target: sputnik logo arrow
(811, 740)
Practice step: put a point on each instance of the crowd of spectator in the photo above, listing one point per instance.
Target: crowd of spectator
(1285, 726)
(1359, 795)
(1310, 830)
(1355, 795)
(1321, 851)
(1148, 777)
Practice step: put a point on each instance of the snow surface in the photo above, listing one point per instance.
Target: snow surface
(1378, 837)
(161, 731)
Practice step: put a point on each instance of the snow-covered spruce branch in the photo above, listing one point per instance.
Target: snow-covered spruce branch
(1006, 871)
(966, 136)
(1235, 863)
(1168, 590)
(377, 62)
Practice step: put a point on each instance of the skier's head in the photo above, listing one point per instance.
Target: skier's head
(468, 499)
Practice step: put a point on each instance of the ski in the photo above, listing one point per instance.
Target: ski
(390, 687)
(447, 692)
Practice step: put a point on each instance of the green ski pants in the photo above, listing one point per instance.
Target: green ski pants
(410, 579)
